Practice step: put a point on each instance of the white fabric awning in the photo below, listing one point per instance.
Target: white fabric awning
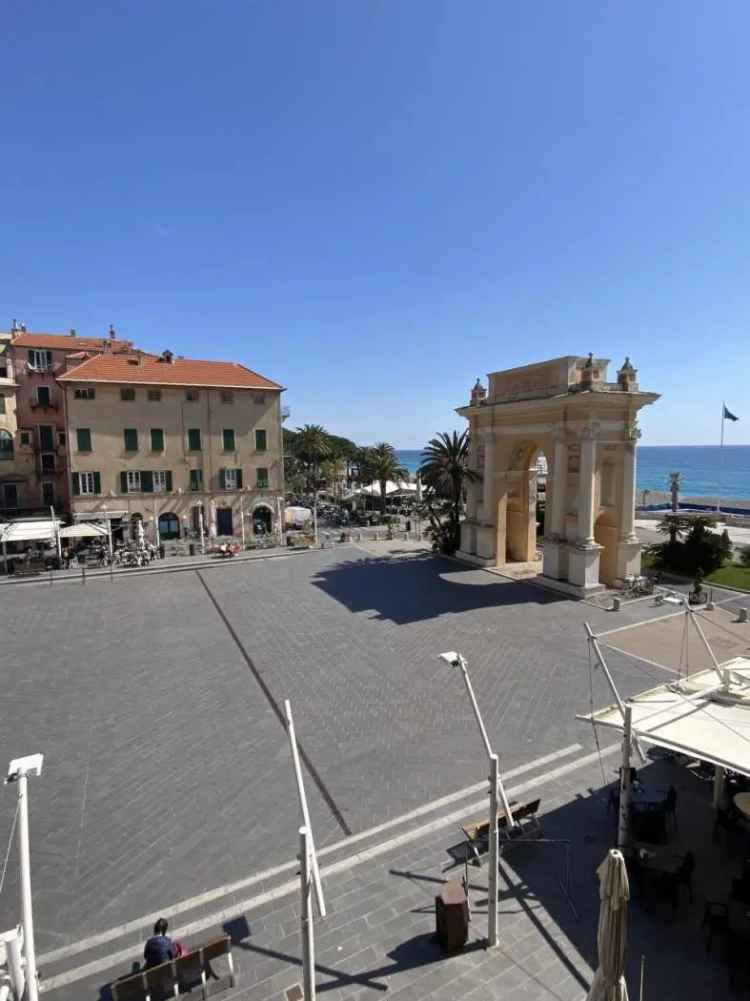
(694, 716)
(28, 531)
(81, 531)
(390, 488)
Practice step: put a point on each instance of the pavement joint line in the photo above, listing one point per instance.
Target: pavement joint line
(285, 889)
(138, 924)
(312, 770)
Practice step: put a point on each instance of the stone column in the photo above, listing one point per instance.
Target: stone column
(628, 546)
(555, 563)
(583, 560)
(488, 485)
(586, 488)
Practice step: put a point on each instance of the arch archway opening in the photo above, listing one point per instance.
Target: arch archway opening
(262, 520)
(169, 525)
(525, 505)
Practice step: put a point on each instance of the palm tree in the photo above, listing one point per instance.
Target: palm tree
(383, 465)
(444, 471)
(312, 447)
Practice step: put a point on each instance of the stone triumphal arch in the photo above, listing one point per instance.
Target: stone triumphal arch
(587, 429)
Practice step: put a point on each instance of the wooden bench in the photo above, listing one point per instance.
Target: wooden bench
(527, 824)
(177, 976)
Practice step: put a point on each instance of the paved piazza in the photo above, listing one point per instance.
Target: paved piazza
(155, 702)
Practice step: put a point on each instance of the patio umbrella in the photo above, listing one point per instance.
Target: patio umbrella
(614, 893)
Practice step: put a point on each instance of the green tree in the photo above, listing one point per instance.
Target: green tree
(383, 465)
(444, 472)
(311, 448)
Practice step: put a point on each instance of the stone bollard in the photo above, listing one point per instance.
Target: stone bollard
(710, 603)
(616, 603)
(742, 615)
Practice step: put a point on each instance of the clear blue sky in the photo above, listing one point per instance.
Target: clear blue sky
(375, 202)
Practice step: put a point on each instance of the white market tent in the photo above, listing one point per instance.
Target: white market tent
(390, 488)
(82, 530)
(36, 530)
(698, 716)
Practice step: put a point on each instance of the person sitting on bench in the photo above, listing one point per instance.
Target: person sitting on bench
(160, 948)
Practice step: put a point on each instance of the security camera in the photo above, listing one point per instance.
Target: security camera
(452, 658)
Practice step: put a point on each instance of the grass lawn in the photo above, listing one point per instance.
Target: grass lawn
(732, 575)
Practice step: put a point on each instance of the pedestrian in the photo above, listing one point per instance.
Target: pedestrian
(160, 948)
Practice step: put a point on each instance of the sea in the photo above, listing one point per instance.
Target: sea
(705, 470)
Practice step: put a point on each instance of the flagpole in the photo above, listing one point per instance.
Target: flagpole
(721, 458)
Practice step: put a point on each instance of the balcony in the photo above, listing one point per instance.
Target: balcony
(51, 405)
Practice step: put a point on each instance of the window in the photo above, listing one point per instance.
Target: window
(261, 443)
(157, 440)
(40, 361)
(48, 493)
(2, 403)
(24, 439)
(3, 370)
(127, 394)
(48, 462)
(10, 495)
(194, 439)
(46, 438)
(87, 483)
(6, 445)
(154, 395)
(83, 439)
(196, 479)
(231, 479)
(162, 481)
(42, 396)
(132, 481)
(61, 437)
(131, 439)
(228, 440)
(85, 393)
(227, 396)
(259, 398)
(191, 395)
(261, 480)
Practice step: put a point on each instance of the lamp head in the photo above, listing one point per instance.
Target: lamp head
(452, 658)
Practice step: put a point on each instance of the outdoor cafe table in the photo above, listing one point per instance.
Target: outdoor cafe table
(657, 858)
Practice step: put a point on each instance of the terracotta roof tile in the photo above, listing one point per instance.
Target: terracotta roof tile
(66, 342)
(154, 372)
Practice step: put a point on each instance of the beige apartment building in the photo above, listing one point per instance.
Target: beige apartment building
(169, 441)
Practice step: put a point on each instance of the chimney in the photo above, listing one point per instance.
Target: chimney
(112, 334)
(72, 332)
(23, 328)
(167, 357)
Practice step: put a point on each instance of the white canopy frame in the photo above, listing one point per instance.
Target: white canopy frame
(83, 530)
(705, 715)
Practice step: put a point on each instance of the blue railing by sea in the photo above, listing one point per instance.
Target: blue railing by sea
(705, 470)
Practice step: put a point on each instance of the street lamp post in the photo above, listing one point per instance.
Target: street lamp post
(455, 659)
(201, 528)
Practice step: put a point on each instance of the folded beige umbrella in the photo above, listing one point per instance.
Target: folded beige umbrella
(614, 893)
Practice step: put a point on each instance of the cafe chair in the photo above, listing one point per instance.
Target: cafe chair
(716, 920)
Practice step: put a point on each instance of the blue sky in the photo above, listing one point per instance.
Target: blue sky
(375, 202)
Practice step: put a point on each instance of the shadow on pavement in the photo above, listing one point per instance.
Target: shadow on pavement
(424, 586)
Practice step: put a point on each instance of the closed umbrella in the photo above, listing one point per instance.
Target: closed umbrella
(614, 893)
(140, 537)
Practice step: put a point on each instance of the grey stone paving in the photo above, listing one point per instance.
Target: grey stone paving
(167, 772)
(378, 936)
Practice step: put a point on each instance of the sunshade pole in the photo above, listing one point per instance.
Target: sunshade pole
(724, 673)
(56, 527)
(318, 886)
(610, 681)
(494, 854)
(306, 852)
(623, 820)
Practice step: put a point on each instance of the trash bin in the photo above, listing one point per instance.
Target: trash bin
(191, 547)
(162, 551)
(452, 917)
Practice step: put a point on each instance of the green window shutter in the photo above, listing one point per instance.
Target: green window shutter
(76, 484)
(31, 357)
(168, 478)
(49, 358)
(131, 439)
(228, 440)
(147, 482)
(262, 477)
(83, 437)
(238, 473)
(123, 483)
(157, 440)
(222, 479)
(260, 441)
(194, 439)
(97, 483)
